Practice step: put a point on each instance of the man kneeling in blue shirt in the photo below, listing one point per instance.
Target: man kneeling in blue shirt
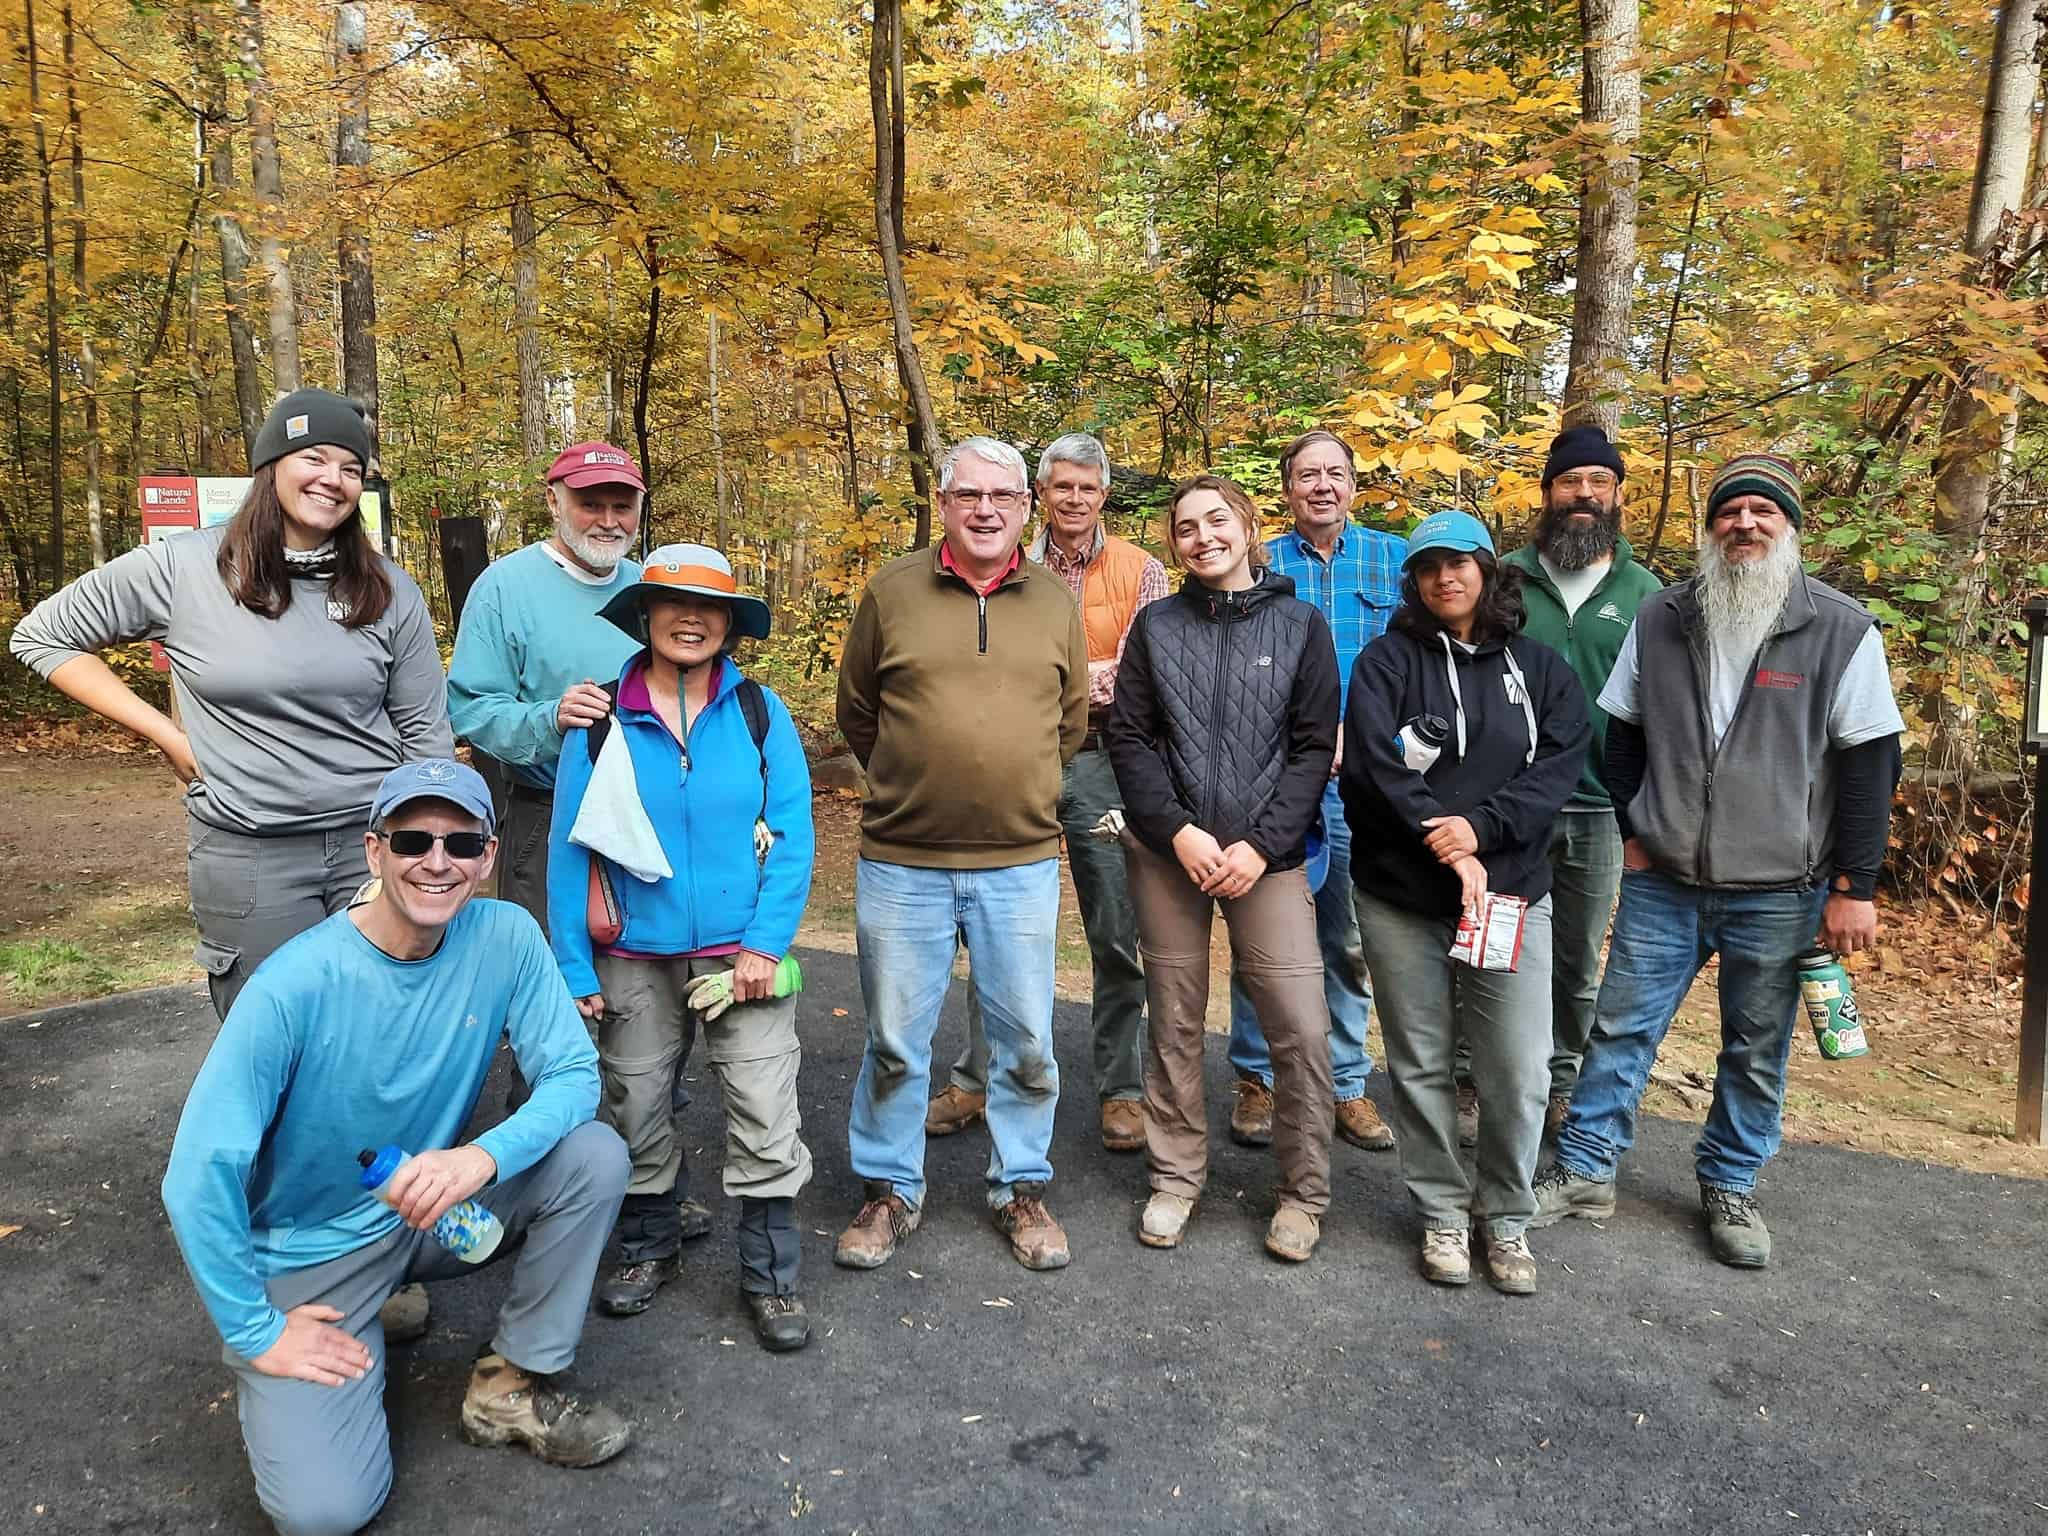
(376, 1028)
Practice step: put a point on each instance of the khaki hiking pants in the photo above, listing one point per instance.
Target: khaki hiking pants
(1273, 941)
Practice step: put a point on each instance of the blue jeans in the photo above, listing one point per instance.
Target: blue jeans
(1345, 987)
(1663, 933)
(910, 924)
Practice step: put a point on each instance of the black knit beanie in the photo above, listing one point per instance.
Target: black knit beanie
(1581, 448)
(311, 418)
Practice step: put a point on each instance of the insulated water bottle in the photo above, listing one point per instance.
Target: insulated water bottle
(466, 1229)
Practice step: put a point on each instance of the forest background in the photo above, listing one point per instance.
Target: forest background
(785, 254)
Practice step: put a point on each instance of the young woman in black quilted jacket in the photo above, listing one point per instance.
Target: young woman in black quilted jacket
(1222, 736)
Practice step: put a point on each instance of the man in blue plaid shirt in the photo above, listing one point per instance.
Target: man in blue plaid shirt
(1353, 574)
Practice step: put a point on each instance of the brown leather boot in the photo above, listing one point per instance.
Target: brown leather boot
(884, 1221)
(1360, 1124)
(954, 1110)
(1036, 1240)
(1123, 1125)
(506, 1405)
(1251, 1122)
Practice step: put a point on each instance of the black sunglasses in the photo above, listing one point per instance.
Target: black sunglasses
(416, 842)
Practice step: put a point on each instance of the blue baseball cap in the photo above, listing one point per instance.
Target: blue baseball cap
(434, 778)
(1459, 532)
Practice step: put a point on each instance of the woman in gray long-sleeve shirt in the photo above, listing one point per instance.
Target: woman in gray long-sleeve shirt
(305, 667)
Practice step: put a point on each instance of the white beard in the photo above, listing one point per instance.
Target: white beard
(1741, 601)
(598, 556)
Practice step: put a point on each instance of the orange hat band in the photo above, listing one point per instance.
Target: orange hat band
(690, 576)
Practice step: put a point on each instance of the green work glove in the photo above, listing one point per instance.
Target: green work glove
(711, 994)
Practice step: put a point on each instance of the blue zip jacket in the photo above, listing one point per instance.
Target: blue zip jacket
(719, 893)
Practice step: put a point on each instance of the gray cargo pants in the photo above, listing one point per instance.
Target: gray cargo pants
(321, 1456)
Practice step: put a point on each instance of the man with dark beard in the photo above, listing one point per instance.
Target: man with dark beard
(1753, 802)
(1581, 588)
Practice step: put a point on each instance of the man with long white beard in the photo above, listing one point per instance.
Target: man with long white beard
(1754, 802)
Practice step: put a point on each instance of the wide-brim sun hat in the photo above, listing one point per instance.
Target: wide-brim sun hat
(676, 570)
(1453, 532)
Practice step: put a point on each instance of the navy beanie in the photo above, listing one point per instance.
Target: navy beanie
(1581, 448)
(311, 418)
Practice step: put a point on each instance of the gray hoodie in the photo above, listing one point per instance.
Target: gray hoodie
(293, 720)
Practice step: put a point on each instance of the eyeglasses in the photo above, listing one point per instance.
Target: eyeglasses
(1593, 480)
(417, 842)
(1002, 501)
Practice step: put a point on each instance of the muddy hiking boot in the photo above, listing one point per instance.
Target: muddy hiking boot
(954, 1111)
(1251, 1122)
(1554, 1112)
(506, 1406)
(1293, 1234)
(1036, 1240)
(780, 1322)
(1510, 1266)
(630, 1289)
(1735, 1227)
(1359, 1123)
(1123, 1125)
(695, 1219)
(1561, 1193)
(406, 1315)
(883, 1221)
(1164, 1220)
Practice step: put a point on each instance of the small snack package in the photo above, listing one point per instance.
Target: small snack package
(1489, 936)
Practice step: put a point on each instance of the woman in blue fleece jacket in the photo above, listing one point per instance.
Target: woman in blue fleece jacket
(728, 800)
(1429, 839)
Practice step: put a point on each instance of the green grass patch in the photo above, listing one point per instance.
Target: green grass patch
(41, 968)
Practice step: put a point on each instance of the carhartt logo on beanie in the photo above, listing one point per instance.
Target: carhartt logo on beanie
(1581, 448)
(1760, 474)
(311, 418)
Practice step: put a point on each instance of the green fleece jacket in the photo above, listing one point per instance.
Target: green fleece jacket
(1589, 639)
(964, 709)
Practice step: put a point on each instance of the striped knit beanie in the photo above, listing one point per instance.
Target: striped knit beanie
(1759, 474)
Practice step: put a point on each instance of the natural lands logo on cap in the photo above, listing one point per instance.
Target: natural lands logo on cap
(297, 426)
(603, 456)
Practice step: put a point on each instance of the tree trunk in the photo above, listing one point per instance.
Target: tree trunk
(649, 341)
(164, 307)
(1970, 429)
(51, 356)
(1611, 95)
(721, 486)
(266, 175)
(352, 246)
(81, 299)
(533, 420)
(218, 148)
(885, 100)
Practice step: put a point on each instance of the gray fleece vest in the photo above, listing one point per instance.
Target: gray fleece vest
(1758, 812)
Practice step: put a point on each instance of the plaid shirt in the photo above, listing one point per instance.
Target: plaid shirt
(1357, 588)
(1151, 588)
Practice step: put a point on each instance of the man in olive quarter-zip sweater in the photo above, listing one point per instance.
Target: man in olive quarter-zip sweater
(963, 690)
(1581, 588)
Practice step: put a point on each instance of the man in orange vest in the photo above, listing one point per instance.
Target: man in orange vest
(1111, 579)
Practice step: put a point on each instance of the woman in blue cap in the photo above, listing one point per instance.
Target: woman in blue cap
(305, 668)
(679, 863)
(1462, 741)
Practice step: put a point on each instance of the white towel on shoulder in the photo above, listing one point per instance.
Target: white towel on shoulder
(612, 821)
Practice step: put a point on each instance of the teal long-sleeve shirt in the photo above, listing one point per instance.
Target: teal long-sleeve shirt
(335, 1046)
(530, 632)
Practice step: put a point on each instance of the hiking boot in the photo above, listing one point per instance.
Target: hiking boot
(1561, 1193)
(883, 1221)
(1736, 1227)
(505, 1404)
(1123, 1125)
(1166, 1217)
(954, 1110)
(696, 1218)
(1511, 1266)
(405, 1314)
(1554, 1112)
(1036, 1240)
(629, 1289)
(1447, 1256)
(1468, 1115)
(780, 1322)
(1293, 1234)
(1360, 1124)
(1251, 1122)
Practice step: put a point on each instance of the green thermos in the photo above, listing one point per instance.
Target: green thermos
(1829, 999)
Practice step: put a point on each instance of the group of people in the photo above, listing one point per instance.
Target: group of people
(1403, 768)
